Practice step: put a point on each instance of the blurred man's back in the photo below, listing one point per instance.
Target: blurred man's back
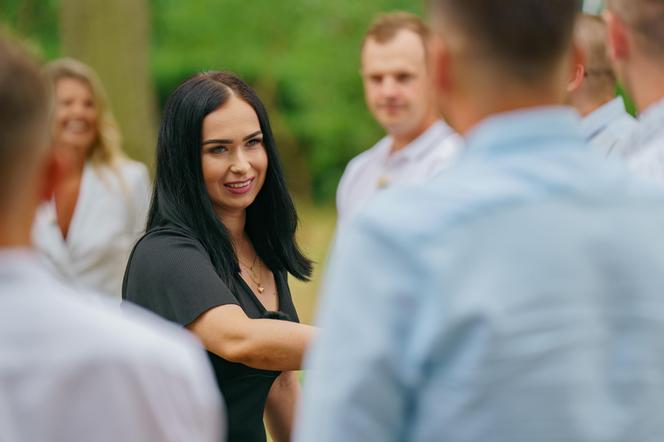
(71, 371)
(519, 296)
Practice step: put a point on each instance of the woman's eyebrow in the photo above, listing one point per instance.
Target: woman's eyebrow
(216, 141)
(258, 132)
(227, 141)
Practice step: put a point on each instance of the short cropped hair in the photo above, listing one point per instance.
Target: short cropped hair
(646, 17)
(386, 26)
(524, 37)
(24, 108)
(590, 35)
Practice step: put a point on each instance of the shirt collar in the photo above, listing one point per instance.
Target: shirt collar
(600, 118)
(526, 129)
(420, 146)
(651, 123)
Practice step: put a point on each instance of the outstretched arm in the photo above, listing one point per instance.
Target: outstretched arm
(266, 344)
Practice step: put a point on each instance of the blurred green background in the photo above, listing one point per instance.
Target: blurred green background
(301, 55)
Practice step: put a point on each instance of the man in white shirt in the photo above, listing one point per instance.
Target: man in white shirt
(606, 125)
(636, 33)
(397, 91)
(71, 370)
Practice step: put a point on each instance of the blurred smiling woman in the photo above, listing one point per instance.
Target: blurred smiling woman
(219, 246)
(99, 208)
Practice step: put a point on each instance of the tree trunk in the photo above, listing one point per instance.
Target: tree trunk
(114, 38)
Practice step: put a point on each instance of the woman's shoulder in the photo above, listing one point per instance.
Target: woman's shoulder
(133, 170)
(168, 239)
(124, 173)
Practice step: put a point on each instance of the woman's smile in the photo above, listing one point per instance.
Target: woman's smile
(240, 187)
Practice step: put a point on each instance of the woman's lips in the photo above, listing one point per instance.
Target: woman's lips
(239, 187)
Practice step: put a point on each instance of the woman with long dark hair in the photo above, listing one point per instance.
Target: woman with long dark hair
(220, 242)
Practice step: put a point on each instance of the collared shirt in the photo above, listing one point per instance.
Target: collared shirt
(75, 371)
(109, 217)
(609, 128)
(515, 298)
(434, 150)
(647, 159)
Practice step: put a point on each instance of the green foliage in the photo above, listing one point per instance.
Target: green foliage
(301, 55)
(33, 21)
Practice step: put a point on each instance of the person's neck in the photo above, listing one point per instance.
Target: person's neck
(482, 106)
(15, 233)
(399, 141)
(586, 106)
(72, 160)
(646, 88)
(235, 222)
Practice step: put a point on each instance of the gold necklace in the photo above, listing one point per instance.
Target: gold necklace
(252, 274)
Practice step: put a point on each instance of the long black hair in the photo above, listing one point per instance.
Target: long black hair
(180, 198)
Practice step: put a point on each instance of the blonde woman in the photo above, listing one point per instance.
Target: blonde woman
(98, 211)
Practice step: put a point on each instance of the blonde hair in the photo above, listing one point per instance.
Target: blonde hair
(107, 148)
(385, 27)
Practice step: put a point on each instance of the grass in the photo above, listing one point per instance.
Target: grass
(317, 225)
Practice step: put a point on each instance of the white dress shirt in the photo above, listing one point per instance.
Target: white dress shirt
(109, 217)
(647, 157)
(72, 370)
(433, 151)
(609, 128)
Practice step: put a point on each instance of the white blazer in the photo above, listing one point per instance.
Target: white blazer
(109, 217)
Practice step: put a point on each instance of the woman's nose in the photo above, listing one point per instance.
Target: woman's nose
(240, 164)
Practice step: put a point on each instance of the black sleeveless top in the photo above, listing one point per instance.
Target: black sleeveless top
(170, 273)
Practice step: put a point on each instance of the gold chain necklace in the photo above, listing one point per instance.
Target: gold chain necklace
(252, 274)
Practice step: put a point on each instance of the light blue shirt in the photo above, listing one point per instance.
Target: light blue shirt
(609, 128)
(647, 157)
(517, 297)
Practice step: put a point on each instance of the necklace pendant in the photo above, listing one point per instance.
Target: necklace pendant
(261, 289)
(383, 182)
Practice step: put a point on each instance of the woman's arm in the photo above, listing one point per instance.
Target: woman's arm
(266, 344)
(281, 406)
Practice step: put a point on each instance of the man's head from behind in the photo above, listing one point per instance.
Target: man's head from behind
(395, 74)
(636, 45)
(491, 56)
(24, 109)
(594, 84)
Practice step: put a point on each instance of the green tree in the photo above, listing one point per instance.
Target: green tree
(114, 38)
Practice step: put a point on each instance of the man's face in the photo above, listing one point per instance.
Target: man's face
(396, 83)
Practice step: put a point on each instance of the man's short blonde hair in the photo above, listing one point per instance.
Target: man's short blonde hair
(386, 26)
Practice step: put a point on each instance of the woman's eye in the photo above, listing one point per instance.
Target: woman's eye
(255, 142)
(217, 149)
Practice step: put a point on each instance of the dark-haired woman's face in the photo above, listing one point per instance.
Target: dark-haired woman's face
(233, 156)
